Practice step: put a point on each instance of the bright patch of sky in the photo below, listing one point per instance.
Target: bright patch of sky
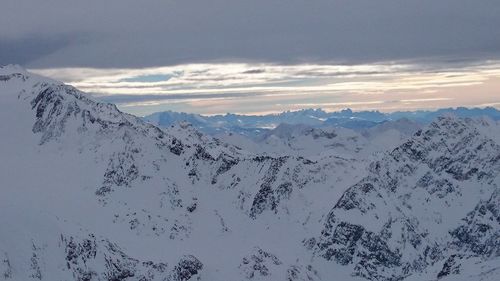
(256, 88)
(147, 78)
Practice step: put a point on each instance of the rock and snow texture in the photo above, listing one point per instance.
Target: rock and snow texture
(433, 198)
(314, 142)
(91, 193)
(254, 124)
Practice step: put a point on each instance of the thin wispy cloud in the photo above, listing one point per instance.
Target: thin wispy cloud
(252, 88)
(261, 55)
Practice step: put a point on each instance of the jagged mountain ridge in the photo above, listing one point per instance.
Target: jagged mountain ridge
(313, 142)
(95, 194)
(148, 183)
(424, 191)
(252, 125)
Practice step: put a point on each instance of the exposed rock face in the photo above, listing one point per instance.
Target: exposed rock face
(92, 258)
(186, 268)
(258, 264)
(397, 220)
(91, 193)
(301, 273)
(479, 233)
(262, 265)
(85, 258)
(449, 267)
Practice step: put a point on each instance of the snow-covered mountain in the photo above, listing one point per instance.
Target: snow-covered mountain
(251, 125)
(314, 142)
(433, 199)
(313, 132)
(91, 193)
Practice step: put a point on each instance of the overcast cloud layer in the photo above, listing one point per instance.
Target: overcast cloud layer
(258, 56)
(130, 33)
(262, 88)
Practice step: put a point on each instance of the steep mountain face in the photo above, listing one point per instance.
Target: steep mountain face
(91, 193)
(124, 187)
(433, 198)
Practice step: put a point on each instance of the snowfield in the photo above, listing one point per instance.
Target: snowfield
(91, 193)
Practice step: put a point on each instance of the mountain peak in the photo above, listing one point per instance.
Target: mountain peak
(12, 68)
(144, 203)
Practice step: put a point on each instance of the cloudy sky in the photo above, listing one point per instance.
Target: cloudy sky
(256, 56)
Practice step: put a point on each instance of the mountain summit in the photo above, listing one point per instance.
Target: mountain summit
(92, 193)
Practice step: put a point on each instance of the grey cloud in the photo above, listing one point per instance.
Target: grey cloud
(254, 71)
(130, 33)
(121, 99)
(25, 50)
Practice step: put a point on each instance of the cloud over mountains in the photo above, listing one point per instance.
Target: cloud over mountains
(135, 34)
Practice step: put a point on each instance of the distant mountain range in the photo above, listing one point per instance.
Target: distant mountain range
(91, 193)
(252, 124)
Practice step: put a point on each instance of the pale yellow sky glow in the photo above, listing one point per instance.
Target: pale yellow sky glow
(262, 88)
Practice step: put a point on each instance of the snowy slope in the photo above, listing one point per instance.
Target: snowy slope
(142, 197)
(313, 142)
(432, 199)
(91, 193)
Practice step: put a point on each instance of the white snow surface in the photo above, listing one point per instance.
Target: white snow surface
(91, 193)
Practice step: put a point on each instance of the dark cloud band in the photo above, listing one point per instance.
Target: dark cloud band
(129, 33)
